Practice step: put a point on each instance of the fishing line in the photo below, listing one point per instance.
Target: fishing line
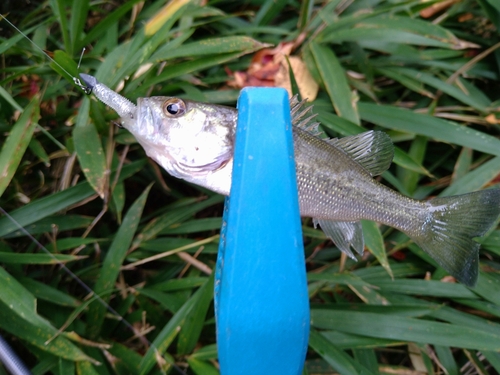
(80, 282)
(33, 239)
(76, 80)
(66, 269)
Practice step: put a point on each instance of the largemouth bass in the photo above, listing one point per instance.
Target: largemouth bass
(194, 141)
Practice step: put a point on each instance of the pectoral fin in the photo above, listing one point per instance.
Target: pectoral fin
(344, 234)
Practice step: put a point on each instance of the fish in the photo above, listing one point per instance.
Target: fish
(194, 141)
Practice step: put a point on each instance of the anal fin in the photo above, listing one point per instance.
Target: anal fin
(344, 234)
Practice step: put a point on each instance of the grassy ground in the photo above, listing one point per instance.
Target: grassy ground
(426, 73)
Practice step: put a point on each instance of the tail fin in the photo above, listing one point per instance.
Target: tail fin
(451, 225)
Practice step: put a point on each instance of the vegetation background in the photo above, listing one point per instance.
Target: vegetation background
(424, 71)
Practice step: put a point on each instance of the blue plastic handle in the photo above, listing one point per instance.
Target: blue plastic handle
(261, 299)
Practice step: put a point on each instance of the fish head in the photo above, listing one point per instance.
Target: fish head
(190, 140)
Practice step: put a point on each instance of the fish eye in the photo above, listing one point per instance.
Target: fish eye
(174, 107)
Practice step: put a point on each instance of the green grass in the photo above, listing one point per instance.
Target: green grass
(87, 192)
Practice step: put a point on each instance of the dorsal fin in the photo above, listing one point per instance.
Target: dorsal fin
(302, 116)
(372, 149)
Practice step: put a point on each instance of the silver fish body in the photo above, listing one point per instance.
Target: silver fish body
(194, 141)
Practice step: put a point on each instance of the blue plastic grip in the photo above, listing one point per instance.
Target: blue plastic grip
(261, 299)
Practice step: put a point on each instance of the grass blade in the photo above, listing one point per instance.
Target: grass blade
(51, 204)
(375, 242)
(445, 356)
(334, 78)
(458, 93)
(48, 293)
(79, 10)
(195, 65)
(201, 367)
(375, 31)
(409, 177)
(171, 329)
(190, 333)
(16, 143)
(113, 261)
(38, 258)
(18, 316)
(89, 150)
(335, 357)
(58, 7)
(101, 28)
(210, 46)
(8, 97)
(404, 120)
(44, 207)
(474, 180)
(406, 329)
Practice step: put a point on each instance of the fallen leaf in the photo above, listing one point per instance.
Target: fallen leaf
(307, 85)
(269, 68)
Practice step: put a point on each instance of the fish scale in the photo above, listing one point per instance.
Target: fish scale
(194, 141)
